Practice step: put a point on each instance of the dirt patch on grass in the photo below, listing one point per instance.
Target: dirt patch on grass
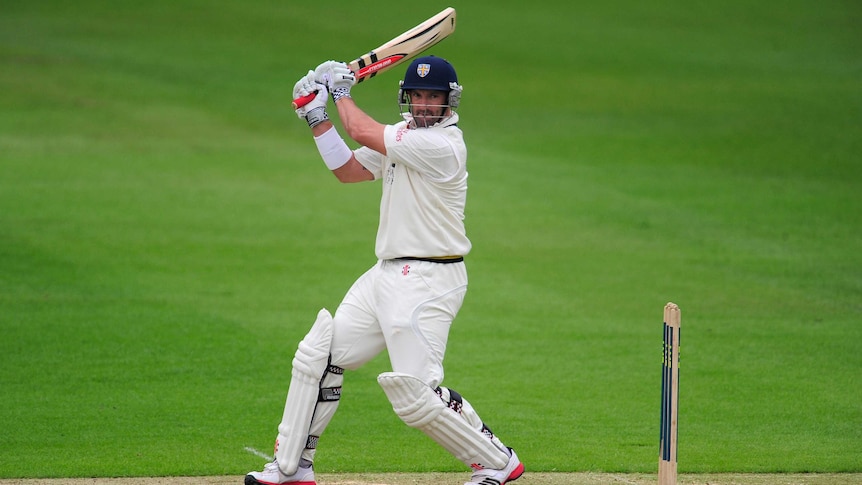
(459, 478)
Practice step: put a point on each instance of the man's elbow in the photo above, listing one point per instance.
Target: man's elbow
(342, 176)
(351, 172)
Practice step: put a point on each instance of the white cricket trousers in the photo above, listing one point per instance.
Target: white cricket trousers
(405, 306)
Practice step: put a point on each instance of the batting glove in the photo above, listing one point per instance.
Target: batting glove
(314, 113)
(337, 76)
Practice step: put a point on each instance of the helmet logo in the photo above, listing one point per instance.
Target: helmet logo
(423, 69)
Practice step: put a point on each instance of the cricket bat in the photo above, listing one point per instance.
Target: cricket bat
(402, 48)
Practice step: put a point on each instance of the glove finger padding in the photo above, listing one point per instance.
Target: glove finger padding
(314, 113)
(342, 76)
(323, 72)
(334, 74)
(305, 85)
(342, 79)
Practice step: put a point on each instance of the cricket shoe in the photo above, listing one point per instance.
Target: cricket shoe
(514, 469)
(272, 475)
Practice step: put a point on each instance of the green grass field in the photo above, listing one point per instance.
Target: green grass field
(168, 233)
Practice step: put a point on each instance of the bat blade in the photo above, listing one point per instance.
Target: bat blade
(365, 72)
(398, 50)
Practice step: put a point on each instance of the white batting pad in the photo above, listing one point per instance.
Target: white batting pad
(309, 364)
(420, 407)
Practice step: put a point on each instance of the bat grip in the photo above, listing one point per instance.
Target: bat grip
(300, 102)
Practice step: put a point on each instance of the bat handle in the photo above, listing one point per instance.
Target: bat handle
(300, 102)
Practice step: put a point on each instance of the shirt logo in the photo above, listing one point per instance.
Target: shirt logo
(423, 69)
(400, 134)
(405, 270)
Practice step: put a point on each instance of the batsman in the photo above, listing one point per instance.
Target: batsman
(407, 301)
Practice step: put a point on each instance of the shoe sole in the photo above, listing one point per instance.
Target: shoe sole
(250, 480)
(516, 473)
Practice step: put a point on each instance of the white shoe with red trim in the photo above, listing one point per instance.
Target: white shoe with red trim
(272, 475)
(514, 469)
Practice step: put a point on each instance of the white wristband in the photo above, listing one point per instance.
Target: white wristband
(332, 148)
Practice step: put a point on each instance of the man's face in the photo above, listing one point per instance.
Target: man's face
(427, 106)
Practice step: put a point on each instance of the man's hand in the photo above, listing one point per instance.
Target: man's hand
(337, 76)
(304, 84)
(314, 113)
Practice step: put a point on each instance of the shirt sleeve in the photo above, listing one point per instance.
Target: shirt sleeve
(425, 150)
(371, 160)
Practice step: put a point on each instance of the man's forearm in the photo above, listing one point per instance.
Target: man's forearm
(359, 126)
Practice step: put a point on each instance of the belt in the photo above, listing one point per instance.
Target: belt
(441, 259)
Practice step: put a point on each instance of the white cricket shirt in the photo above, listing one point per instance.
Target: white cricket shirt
(424, 177)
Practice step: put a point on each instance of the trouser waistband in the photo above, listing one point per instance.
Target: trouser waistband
(442, 259)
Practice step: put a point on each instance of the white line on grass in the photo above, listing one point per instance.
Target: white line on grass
(259, 453)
